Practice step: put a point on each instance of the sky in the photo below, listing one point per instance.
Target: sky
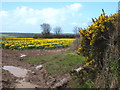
(26, 17)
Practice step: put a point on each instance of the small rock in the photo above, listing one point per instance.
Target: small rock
(33, 73)
(39, 67)
(23, 55)
(78, 69)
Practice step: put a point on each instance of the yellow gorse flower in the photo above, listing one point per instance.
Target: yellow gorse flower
(94, 36)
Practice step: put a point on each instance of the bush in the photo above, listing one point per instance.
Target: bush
(95, 39)
(100, 46)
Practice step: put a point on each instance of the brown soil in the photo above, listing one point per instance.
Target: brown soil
(34, 78)
(8, 80)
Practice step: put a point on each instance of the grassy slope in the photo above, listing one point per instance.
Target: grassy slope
(58, 63)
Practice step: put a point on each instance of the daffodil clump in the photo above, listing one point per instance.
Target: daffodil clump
(94, 38)
(30, 43)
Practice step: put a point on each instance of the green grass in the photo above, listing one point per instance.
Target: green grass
(88, 84)
(75, 83)
(5, 35)
(58, 63)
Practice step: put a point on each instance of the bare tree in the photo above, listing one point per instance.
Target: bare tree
(46, 29)
(76, 30)
(57, 30)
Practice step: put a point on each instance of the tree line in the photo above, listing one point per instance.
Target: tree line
(46, 32)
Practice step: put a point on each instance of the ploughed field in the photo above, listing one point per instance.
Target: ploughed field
(55, 55)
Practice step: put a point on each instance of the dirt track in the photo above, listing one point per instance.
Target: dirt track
(34, 78)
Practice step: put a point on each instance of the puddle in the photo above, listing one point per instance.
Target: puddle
(16, 71)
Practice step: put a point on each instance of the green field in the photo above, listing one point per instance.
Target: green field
(5, 36)
(58, 63)
(16, 35)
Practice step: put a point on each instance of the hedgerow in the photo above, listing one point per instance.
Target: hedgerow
(100, 45)
(95, 39)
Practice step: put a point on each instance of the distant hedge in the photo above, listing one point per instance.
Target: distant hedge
(56, 36)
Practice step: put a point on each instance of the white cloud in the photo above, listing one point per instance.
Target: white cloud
(74, 23)
(49, 12)
(3, 13)
(74, 7)
(26, 17)
(21, 11)
(32, 21)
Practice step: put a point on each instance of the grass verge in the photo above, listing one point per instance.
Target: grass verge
(58, 63)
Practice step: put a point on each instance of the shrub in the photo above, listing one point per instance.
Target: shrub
(95, 39)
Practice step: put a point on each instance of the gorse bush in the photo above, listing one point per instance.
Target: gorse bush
(95, 39)
(100, 45)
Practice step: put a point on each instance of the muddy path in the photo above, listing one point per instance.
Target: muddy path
(34, 78)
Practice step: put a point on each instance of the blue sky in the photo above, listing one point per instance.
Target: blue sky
(26, 17)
